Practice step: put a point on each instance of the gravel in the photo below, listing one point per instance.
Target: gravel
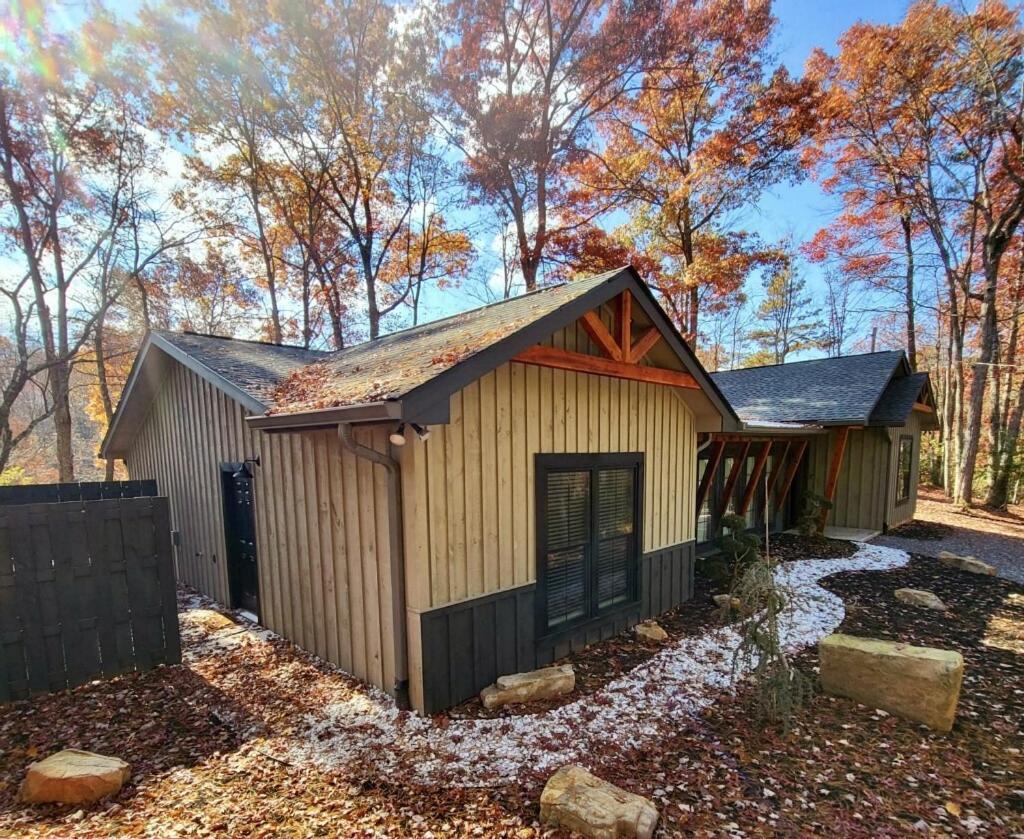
(995, 537)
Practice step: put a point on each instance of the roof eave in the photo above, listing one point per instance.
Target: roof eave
(367, 412)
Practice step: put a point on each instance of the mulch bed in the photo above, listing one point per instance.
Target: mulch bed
(843, 770)
(601, 663)
(848, 770)
(931, 531)
(789, 547)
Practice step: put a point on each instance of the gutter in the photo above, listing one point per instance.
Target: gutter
(366, 412)
(397, 556)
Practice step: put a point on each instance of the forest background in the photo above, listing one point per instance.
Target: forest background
(791, 182)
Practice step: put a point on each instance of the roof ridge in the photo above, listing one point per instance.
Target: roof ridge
(494, 303)
(238, 340)
(805, 361)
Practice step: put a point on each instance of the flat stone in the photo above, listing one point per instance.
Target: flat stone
(651, 631)
(210, 620)
(970, 564)
(546, 683)
(919, 597)
(726, 602)
(917, 683)
(73, 776)
(577, 800)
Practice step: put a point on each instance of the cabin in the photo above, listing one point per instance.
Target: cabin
(845, 429)
(443, 505)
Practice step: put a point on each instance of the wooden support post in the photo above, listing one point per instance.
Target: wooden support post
(730, 482)
(836, 464)
(755, 476)
(709, 472)
(787, 480)
(773, 478)
(625, 325)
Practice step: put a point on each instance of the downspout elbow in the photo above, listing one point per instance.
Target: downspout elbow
(396, 552)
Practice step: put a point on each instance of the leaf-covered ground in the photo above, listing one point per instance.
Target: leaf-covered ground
(203, 741)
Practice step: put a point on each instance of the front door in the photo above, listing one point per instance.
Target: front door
(240, 537)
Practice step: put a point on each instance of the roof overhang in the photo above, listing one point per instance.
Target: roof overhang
(147, 375)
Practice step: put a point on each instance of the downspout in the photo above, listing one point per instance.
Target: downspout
(397, 555)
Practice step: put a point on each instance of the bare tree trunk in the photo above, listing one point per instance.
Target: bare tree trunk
(975, 405)
(908, 246)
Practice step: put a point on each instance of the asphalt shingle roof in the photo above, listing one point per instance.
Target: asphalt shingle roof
(393, 365)
(898, 400)
(255, 367)
(824, 390)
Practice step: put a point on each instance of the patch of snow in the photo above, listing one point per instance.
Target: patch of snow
(633, 710)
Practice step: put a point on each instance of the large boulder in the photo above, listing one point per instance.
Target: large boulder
(967, 563)
(917, 683)
(576, 800)
(546, 683)
(918, 597)
(73, 776)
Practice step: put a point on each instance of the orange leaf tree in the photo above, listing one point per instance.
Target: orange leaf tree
(713, 125)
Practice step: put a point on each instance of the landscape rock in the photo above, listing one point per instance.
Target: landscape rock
(546, 683)
(73, 776)
(967, 563)
(210, 620)
(577, 800)
(725, 602)
(651, 631)
(918, 597)
(917, 683)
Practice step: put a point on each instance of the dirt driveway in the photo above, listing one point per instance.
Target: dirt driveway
(994, 537)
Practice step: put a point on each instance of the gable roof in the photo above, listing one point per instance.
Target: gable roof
(405, 375)
(255, 367)
(847, 390)
(898, 400)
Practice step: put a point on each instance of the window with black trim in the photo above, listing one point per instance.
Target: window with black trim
(903, 469)
(588, 533)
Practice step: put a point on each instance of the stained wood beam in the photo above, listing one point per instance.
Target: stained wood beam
(755, 476)
(645, 343)
(923, 406)
(599, 334)
(730, 482)
(842, 434)
(714, 458)
(787, 480)
(777, 470)
(582, 363)
(625, 325)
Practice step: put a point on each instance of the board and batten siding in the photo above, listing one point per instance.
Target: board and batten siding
(469, 505)
(321, 519)
(899, 512)
(860, 498)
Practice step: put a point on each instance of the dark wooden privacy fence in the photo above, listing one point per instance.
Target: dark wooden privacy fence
(86, 591)
(84, 491)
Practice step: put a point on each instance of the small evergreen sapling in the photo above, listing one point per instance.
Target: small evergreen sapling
(780, 688)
